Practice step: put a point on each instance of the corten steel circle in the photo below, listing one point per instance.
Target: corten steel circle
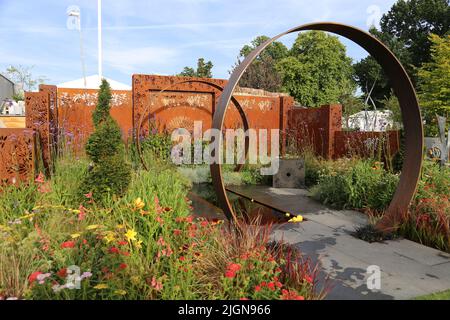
(145, 116)
(403, 89)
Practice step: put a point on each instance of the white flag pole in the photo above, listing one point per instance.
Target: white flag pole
(100, 51)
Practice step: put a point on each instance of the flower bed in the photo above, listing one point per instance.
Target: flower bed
(144, 245)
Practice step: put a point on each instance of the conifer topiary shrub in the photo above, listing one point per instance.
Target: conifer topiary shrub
(109, 173)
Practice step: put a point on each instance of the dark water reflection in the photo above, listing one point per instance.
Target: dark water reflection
(205, 205)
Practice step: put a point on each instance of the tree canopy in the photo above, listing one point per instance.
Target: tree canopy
(405, 29)
(262, 74)
(203, 70)
(317, 70)
(434, 83)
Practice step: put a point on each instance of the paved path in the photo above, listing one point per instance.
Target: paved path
(408, 269)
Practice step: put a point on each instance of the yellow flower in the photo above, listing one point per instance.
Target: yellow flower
(138, 244)
(139, 204)
(131, 234)
(296, 219)
(120, 226)
(109, 237)
(92, 227)
(287, 214)
(101, 286)
(120, 292)
(75, 235)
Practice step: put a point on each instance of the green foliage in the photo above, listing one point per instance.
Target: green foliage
(262, 74)
(159, 144)
(428, 218)
(370, 76)
(109, 173)
(144, 245)
(412, 21)
(365, 185)
(405, 29)
(203, 70)
(434, 82)
(101, 112)
(317, 71)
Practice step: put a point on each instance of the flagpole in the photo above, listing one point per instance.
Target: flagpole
(100, 50)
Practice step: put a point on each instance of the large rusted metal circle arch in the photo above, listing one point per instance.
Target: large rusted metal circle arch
(403, 89)
(146, 115)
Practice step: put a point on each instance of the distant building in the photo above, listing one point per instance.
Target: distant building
(93, 82)
(6, 88)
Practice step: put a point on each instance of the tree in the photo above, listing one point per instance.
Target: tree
(109, 173)
(203, 70)
(262, 73)
(412, 22)
(370, 76)
(22, 76)
(404, 29)
(434, 83)
(317, 70)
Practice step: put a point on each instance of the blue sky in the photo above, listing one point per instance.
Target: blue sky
(159, 37)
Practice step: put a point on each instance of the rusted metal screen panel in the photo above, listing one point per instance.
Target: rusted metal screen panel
(367, 144)
(38, 118)
(17, 155)
(75, 108)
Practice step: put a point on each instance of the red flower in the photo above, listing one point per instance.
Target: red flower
(123, 243)
(33, 277)
(88, 195)
(243, 299)
(123, 266)
(271, 286)
(125, 253)
(182, 258)
(290, 295)
(257, 288)
(204, 223)
(68, 244)
(232, 268)
(114, 250)
(177, 232)
(62, 273)
(308, 279)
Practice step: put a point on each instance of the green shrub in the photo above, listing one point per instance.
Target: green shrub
(365, 185)
(159, 144)
(109, 173)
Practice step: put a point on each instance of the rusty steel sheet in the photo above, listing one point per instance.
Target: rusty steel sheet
(145, 84)
(213, 85)
(37, 113)
(52, 92)
(17, 156)
(404, 90)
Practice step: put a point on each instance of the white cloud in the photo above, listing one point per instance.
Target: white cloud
(133, 60)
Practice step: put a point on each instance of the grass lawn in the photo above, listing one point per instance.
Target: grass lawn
(445, 295)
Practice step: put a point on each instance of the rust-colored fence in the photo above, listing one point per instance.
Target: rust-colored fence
(185, 101)
(17, 155)
(314, 128)
(38, 118)
(366, 144)
(320, 130)
(75, 107)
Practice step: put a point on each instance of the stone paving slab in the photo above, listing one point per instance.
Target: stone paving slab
(408, 269)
